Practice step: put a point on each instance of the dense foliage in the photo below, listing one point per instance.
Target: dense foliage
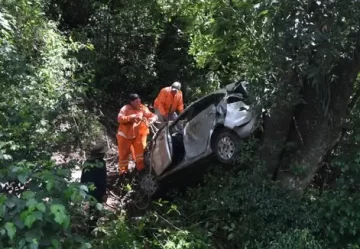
(65, 65)
(238, 209)
(38, 92)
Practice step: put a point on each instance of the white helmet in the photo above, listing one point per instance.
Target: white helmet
(176, 86)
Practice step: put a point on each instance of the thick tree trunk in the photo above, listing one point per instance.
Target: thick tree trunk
(277, 125)
(318, 123)
(320, 128)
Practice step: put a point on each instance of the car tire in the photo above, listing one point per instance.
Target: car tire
(147, 182)
(225, 146)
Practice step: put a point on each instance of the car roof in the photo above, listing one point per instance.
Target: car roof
(236, 87)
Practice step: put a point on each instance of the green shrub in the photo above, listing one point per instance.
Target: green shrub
(149, 231)
(236, 206)
(340, 217)
(296, 239)
(37, 203)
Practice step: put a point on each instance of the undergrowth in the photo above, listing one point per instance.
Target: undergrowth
(239, 209)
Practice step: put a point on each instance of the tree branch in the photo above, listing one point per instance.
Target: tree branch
(355, 99)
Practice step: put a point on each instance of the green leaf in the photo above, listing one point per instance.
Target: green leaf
(41, 207)
(263, 13)
(85, 246)
(10, 229)
(29, 220)
(18, 221)
(38, 215)
(58, 211)
(55, 243)
(34, 244)
(99, 206)
(90, 46)
(49, 185)
(85, 188)
(10, 202)
(2, 198)
(16, 169)
(22, 243)
(22, 178)
(28, 195)
(31, 202)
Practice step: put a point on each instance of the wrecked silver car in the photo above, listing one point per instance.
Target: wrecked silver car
(213, 124)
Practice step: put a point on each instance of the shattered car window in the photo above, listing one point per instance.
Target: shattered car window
(238, 87)
(206, 102)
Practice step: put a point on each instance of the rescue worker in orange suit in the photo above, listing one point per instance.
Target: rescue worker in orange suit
(133, 132)
(169, 100)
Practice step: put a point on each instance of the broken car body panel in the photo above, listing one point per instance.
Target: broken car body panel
(237, 113)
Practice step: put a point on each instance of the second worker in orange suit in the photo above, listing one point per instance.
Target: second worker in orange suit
(169, 100)
(133, 132)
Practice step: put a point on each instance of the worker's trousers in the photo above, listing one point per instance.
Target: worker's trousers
(124, 147)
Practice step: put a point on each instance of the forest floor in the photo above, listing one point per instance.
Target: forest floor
(114, 199)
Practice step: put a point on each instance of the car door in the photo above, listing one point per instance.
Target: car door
(237, 112)
(197, 132)
(162, 152)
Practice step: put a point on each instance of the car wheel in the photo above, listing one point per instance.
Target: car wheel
(147, 182)
(225, 146)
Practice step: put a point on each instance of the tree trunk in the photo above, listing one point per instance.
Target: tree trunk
(317, 127)
(277, 125)
(320, 122)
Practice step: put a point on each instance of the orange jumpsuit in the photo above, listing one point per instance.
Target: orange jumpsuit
(132, 153)
(167, 102)
(131, 134)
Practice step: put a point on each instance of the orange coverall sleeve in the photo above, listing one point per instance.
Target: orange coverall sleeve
(122, 117)
(149, 115)
(180, 106)
(162, 99)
